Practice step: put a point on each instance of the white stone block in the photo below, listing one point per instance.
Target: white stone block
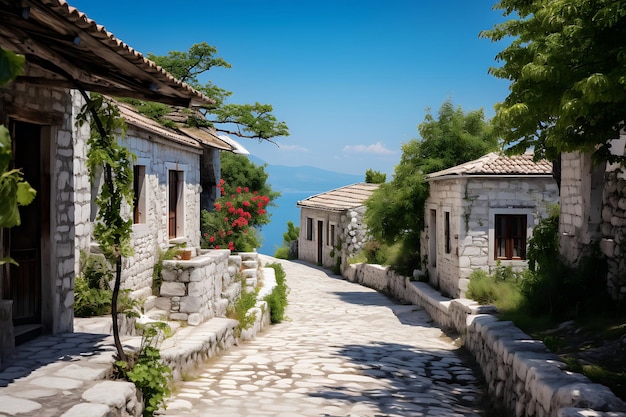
(169, 289)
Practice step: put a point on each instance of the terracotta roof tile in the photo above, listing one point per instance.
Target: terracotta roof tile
(498, 164)
(340, 199)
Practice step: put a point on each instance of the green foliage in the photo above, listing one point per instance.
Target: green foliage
(147, 371)
(240, 309)
(247, 120)
(152, 110)
(92, 291)
(565, 293)
(500, 289)
(14, 191)
(282, 252)
(90, 301)
(232, 225)
(157, 270)
(395, 211)
(277, 300)
(239, 171)
(292, 233)
(11, 65)
(375, 177)
(543, 246)
(453, 138)
(107, 156)
(565, 65)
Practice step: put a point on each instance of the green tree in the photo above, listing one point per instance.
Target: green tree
(239, 171)
(395, 211)
(292, 232)
(375, 177)
(566, 67)
(452, 138)
(243, 120)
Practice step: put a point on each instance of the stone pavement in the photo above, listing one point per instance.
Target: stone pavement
(345, 350)
(64, 375)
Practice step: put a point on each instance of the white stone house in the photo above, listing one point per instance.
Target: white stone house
(331, 223)
(65, 53)
(481, 213)
(168, 184)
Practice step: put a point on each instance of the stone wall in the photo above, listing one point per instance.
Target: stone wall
(521, 374)
(613, 229)
(151, 235)
(196, 290)
(581, 205)
(62, 145)
(472, 204)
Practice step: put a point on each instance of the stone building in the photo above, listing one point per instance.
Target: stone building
(593, 212)
(480, 213)
(331, 224)
(68, 55)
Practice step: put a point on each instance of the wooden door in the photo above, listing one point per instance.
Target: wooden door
(24, 283)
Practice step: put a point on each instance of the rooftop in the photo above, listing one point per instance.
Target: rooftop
(66, 49)
(495, 163)
(340, 199)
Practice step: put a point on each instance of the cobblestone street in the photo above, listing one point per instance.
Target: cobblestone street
(344, 350)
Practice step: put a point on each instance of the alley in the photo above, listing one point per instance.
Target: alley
(344, 350)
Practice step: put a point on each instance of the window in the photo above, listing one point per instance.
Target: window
(309, 228)
(139, 190)
(175, 204)
(447, 232)
(510, 236)
(331, 238)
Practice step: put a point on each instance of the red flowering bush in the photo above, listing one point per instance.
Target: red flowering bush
(232, 224)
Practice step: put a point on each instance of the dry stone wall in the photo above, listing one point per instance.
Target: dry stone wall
(613, 228)
(521, 374)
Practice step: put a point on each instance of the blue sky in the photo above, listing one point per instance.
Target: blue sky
(351, 78)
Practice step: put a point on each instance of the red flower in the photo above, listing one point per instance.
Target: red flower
(218, 206)
(238, 190)
(212, 239)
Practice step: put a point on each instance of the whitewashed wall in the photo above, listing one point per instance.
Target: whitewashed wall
(472, 204)
(159, 156)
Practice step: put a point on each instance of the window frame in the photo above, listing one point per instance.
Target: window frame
(510, 228)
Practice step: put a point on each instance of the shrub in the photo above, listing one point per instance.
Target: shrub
(92, 292)
(239, 310)
(500, 289)
(147, 371)
(282, 252)
(231, 224)
(277, 300)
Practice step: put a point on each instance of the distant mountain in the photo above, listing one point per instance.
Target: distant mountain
(295, 184)
(307, 178)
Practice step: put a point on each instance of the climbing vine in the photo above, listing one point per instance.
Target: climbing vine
(113, 163)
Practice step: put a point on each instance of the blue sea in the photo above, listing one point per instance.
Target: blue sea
(286, 210)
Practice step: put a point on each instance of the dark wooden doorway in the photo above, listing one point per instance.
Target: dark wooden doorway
(173, 203)
(320, 241)
(24, 282)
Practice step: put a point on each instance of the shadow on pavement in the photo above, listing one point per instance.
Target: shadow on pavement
(408, 381)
